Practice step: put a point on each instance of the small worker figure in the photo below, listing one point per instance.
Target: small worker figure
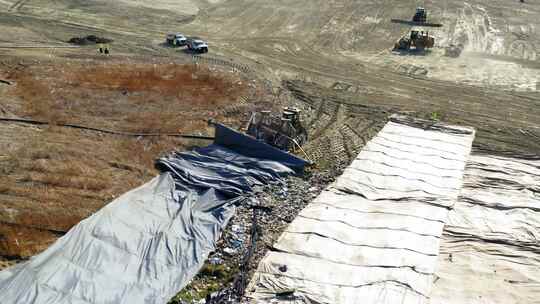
(106, 50)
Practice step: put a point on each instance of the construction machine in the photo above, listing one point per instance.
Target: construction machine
(420, 15)
(285, 132)
(418, 40)
(419, 18)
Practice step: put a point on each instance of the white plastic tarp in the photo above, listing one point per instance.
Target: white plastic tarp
(373, 236)
(490, 250)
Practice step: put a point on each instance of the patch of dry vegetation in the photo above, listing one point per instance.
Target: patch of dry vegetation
(133, 97)
(58, 176)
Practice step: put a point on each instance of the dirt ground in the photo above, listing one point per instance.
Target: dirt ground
(333, 59)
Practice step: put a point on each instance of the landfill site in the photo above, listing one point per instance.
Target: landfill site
(276, 151)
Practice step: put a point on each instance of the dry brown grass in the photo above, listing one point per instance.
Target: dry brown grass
(19, 241)
(126, 96)
(60, 176)
(196, 85)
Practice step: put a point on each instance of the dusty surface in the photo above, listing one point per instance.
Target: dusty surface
(331, 58)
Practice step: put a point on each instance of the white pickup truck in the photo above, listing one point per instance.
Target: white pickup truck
(197, 45)
(176, 39)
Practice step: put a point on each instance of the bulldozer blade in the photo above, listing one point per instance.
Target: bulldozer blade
(414, 23)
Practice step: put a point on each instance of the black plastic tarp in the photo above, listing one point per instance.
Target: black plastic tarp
(249, 146)
(149, 243)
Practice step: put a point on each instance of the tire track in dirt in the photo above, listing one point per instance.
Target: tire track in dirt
(17, 5)
(489, 105)
(307, 65)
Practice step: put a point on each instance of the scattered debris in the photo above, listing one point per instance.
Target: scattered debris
(259, 221)
(5, 82)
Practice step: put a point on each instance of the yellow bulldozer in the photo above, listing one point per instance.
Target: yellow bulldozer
(418, 40)
(285, 132)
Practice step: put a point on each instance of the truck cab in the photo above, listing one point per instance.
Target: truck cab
(197, 45)
(176, 39)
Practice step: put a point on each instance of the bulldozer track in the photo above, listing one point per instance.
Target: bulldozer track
(353, 139)
(17, 5)
(326, 124)
(317, 110)
(350, 151)
(221, 62)
(337, 148)
(319, 150)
